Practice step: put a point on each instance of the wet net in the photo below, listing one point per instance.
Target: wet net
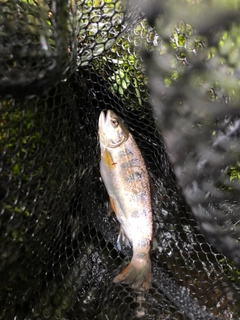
(171, 70)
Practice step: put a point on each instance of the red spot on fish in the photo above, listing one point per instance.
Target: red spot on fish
(114, 163)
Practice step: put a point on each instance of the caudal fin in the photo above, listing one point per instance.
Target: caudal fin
(138, 274)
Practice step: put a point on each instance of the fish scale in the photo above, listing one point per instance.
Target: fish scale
(127, 182)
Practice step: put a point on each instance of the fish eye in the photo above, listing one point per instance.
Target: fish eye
(114, 122)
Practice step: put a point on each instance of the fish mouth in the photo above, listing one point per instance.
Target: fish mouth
(102, 122)
(104, 119)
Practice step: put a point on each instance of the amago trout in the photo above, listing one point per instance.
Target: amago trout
(127, 182)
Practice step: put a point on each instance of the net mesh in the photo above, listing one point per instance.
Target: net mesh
(171, 71)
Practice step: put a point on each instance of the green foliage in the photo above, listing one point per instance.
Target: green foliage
(127, 78)
(129, 81)
(124, 74)
(99, 22)
(28, 138)
(20, 139)
(234, 172)
(230, 269)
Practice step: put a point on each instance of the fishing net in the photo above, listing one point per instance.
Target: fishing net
(170, 69)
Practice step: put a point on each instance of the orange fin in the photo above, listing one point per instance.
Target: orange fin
(112, 206)
(138, 274)
(109, 208)
(108, 160)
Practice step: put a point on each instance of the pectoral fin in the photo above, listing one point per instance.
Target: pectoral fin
(112, 207)
(109, 208)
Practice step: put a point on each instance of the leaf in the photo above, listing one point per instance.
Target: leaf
(16, 169)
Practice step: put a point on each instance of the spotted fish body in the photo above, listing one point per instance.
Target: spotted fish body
(127, 182)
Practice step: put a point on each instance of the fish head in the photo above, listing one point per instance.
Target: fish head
(111, 129)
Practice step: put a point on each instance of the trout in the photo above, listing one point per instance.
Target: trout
(126, 179)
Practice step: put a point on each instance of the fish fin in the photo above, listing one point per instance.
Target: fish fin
(112, 205)
(109, 208)
(107, 159)
(122, 238)
(119, 240)
(138, 273)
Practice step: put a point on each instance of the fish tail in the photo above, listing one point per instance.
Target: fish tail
(138, 273)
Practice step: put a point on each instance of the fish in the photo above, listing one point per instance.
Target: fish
(126, 179)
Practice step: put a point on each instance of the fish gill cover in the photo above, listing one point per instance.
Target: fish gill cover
(170, 70)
